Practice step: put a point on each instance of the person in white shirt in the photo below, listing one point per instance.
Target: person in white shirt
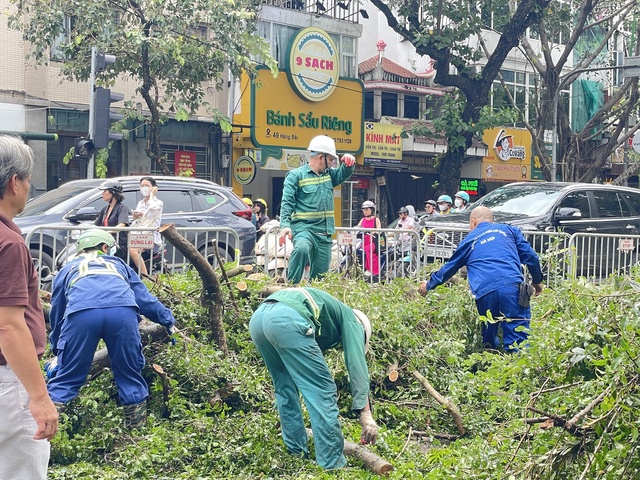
(148, 213)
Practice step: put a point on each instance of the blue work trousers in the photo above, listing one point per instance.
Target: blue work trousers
(79, 337)
(287, 344)
(503, 303)
(309, 249)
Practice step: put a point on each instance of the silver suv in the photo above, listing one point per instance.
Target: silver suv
(188, 202)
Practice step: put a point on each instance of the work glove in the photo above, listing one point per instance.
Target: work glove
(284, 233)
(171, 329)
(51, 368)
(348, 159)
(369, 428)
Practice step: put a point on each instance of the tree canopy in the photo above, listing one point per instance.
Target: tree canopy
(451, 33)
(170, 49)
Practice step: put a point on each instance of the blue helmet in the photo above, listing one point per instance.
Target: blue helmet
(445, 198)
(463, 195)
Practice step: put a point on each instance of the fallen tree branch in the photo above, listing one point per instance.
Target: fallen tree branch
(164, 379)
(448, 404)
(226, 279)
(580, 415)
(371, 461)
(211, 297)
(404, 447)
(440, 436)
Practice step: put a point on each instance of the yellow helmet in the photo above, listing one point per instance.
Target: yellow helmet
(262, 202)
(248, 201)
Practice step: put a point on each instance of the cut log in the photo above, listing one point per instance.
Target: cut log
(257, 276)
(448, 404)
(266, 291)
(392, 372)
(371, 461)
(239, 270)
(211, 297)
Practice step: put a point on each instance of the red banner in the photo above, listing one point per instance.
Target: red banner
(185, 163)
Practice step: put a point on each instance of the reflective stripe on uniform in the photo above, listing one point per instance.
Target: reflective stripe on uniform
(315, 309)
(93, 264)
(320, 214)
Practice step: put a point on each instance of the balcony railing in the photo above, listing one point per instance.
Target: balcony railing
(346, 10)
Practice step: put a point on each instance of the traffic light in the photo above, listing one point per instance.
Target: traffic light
(100, 114)
(83, 149)
(103, 117)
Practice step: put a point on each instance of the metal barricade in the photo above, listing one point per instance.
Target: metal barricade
(377, 254)
(554, 253)
(394, 256)
(52, 245)
(596, 256)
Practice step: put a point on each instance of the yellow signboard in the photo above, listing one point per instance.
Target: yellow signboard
(509, 155)
(382, 141)
(280, 118)
(314, 64)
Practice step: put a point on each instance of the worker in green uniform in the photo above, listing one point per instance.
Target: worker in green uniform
(291, 329)
(306, 211)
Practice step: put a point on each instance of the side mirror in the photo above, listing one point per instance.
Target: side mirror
(84, 214)
(568, 213)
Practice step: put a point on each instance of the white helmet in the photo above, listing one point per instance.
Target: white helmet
(323, 144)
(368, 204)
(366, 324)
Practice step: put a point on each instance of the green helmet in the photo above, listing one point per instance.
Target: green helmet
(94, 237)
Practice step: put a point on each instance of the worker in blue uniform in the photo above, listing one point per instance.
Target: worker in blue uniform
(494, 254)
(98, 296)
(291, 329)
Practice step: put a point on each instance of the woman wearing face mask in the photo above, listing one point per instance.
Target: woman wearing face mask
(148, 213)
(371, 259)
(115, 214)
(460, 201)
(444, 204)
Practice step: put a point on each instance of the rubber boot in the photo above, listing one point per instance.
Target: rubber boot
(135, 415)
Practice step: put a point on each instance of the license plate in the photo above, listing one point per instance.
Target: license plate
(346, 238)
(626, 244)
(438, 252)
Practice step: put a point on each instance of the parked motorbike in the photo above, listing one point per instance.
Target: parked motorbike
(270, 255)
(398, 258)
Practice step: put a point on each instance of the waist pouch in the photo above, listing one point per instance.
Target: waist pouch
(525, 290)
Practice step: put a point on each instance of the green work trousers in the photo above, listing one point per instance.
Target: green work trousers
(286, 342)
(309, 249)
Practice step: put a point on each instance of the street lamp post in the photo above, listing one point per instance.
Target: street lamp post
(631, 69)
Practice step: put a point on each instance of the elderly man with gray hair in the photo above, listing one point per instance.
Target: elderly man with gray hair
(494, 254)
(24, 432)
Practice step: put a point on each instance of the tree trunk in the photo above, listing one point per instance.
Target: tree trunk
(211, 297)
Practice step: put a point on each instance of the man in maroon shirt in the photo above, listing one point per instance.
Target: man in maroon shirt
(24, 433)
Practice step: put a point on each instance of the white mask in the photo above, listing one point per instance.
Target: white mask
(145, 191)
(443, 206)
(458, 202)
(112, 250)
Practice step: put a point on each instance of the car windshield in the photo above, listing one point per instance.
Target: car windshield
(531, 200)
(54, 201)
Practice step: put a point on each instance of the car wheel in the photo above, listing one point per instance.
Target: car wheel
(42, 262)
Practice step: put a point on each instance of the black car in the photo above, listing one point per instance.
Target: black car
(605, 212)
(188, 202)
